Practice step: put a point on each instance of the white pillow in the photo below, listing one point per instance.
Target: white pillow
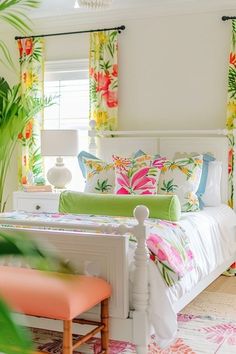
(212, 195)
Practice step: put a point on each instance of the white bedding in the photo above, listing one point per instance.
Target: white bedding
(212, 235)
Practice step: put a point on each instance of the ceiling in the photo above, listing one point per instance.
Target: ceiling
(66, 7)
(54, 8)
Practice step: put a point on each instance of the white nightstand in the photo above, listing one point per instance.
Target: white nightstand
(36, 201)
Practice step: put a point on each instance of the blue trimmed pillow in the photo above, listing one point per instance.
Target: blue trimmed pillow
(207, 158)
(99, 174)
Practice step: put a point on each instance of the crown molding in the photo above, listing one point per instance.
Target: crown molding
(78, 20)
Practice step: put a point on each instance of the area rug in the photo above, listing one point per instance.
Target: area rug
(197, 334)
(206, 326)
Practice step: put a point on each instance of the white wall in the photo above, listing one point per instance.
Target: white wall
(173, 69)
(173, 73)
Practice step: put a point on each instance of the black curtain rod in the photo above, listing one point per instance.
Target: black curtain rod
(119, 29)
(226, 18)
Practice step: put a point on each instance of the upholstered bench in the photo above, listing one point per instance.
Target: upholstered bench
(57, 296)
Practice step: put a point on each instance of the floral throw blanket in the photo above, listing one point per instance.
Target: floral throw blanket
(170, 249)
(167, 242)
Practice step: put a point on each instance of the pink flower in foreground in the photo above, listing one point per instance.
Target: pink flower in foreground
(159, 163)
(139, 183)
(103, 81)
(161, 255)
(115, 70)
(190, 254)
(111, 98)
(166, 253)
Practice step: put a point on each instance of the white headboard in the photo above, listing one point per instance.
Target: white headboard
(168, 147)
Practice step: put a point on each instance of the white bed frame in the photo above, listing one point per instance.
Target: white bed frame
(105, 255)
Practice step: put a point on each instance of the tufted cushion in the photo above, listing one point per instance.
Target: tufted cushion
(51, 295)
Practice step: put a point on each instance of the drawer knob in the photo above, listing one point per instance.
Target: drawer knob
(38, 207)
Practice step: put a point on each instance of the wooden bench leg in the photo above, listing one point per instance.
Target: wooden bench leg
(105, 330)
(67, 337)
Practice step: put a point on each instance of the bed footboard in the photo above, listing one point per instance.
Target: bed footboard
(103, 250)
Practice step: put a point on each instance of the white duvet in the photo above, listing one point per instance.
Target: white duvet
(212, 234)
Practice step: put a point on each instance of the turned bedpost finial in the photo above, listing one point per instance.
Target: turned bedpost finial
(92, 124)
(141, 213)
(92, 135)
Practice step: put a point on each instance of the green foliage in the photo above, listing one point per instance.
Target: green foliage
(13, 338)
(12, 12)
(16, 110)
(169, 186)
(103, 186)
(20, 245)
(232, 82)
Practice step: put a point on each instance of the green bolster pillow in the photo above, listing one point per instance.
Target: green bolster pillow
(166, 207)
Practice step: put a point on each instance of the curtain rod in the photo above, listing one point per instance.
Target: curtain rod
(119, 29)
(226, 18)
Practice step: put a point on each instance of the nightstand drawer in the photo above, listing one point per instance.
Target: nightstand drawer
(40, 205)
(36, 203)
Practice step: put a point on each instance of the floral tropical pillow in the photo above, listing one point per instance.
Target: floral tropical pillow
(137, 175)
(182, 177)
(100, 176)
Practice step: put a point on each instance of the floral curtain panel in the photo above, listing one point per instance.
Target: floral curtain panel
(31, 58)
(231, 112)
(103, 75)
(231, 123)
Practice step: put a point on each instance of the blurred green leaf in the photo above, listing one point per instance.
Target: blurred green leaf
(14, 339)
(12, 12)
(16, 110)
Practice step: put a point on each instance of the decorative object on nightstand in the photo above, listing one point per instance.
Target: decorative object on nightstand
(59, 143)
(37, 188)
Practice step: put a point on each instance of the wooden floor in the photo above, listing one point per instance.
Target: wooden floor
(218, 300)
(225, 285)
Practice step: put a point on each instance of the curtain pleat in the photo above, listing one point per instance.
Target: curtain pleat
(231, 125)
(31, 58)
(231, 113)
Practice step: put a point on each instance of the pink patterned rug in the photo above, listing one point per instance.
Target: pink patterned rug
(196, 335)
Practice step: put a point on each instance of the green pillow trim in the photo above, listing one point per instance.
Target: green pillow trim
(166, 207)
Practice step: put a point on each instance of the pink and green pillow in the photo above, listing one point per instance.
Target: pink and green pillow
(137, 175)
(100, 175)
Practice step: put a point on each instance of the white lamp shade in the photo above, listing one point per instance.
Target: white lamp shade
(59, 142)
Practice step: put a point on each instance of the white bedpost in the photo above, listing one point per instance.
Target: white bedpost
(92, 134)
(140, 285)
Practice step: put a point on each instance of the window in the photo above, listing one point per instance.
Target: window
(68, 82)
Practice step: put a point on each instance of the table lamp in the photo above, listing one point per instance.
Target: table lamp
(59, 143)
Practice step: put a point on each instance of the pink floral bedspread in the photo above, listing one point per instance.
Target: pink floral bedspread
(167, 242)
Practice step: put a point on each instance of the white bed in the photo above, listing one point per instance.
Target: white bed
(214, 247)
(212, 237)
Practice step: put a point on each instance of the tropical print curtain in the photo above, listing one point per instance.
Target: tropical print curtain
(231, 112)
(103, 76)
(31, 58)
(231, 123)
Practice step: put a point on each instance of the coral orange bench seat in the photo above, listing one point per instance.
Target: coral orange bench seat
(57, 296)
